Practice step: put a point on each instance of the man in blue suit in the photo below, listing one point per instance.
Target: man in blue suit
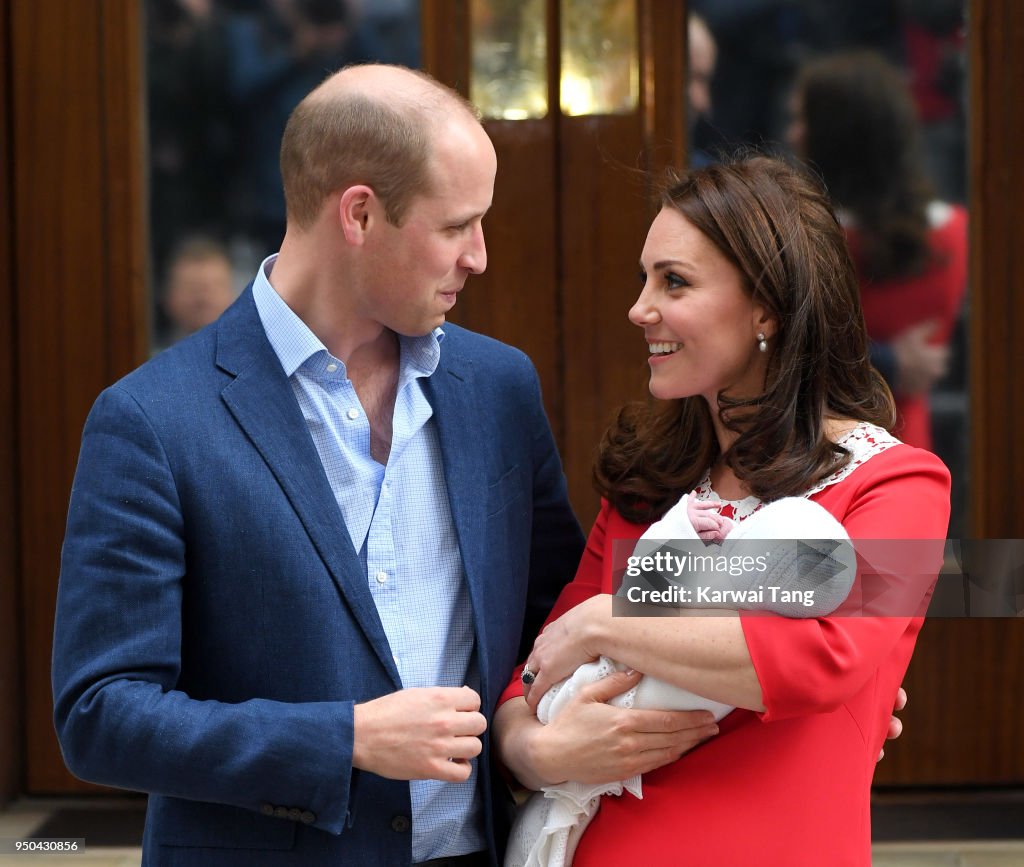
(307, 546)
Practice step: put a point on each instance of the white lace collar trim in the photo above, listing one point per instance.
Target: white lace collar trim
(863, 443)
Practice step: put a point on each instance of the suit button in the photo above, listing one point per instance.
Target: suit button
(295, 814)
(307, 818)
(401, 824)
(281, 812)
(267, 809)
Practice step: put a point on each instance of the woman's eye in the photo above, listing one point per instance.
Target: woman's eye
(674, 281)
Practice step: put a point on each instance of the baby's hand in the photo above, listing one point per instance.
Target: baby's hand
(709, 525)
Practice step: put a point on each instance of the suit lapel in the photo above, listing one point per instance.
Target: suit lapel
(261, 400)
(450, 393)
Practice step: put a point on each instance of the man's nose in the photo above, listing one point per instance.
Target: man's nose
(474, 257)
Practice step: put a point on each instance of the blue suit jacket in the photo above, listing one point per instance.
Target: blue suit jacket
(214, 628)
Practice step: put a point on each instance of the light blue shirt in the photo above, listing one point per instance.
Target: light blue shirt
(400, 523)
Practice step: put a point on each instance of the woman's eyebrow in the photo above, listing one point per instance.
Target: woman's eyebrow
(668, 263)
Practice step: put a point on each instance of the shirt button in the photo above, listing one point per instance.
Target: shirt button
(353, 413)
(382, 577)
(332, 367)
(401, 824)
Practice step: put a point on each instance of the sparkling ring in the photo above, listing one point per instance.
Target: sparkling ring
(528, 676)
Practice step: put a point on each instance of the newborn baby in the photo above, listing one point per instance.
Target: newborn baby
(548, 827)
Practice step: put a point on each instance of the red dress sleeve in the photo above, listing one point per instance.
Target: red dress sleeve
(816, 665)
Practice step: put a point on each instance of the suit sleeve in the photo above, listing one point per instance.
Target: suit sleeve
(815, 665)
(556, 541)
(117, 651)
(587, 583)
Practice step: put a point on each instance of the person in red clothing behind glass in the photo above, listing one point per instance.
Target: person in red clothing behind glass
(759, 366)
(854, 120)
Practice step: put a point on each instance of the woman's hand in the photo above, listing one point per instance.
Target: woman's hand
(895, 723)
(563, 646)
(591, 741)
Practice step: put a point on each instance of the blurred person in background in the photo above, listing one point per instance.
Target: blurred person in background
(189, 124)
(935, 37)
(276, 55)
(702, 58)
(199, 286)
(908, 358)
(855, 122)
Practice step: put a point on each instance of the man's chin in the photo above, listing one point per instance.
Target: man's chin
(420, 329)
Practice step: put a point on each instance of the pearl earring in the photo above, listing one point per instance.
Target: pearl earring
(762, 344)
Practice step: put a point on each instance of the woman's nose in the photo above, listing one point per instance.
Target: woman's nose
(642, 312)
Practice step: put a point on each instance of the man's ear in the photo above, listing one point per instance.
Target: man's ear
(356, 212)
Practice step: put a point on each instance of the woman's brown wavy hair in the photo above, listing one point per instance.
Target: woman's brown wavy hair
(775, 224)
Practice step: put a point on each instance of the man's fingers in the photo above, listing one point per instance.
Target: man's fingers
(411, 734)
(468, 724)
(464, 748)
(901, 699)
(465, 698)
(451, 770)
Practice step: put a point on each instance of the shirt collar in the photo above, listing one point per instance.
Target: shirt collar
(295, 344)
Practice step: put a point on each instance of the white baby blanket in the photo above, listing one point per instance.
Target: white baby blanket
(549, 825)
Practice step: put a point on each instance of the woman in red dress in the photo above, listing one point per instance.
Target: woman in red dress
(855, 122)
(759, 364)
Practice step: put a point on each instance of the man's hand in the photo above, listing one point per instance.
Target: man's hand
(919, 362)
(419, 734)
(895, 724)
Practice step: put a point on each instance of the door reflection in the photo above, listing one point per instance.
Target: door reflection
(222, 77)
(871, 94)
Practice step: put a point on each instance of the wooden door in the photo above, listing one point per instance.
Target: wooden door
(572, 204)
(77, 283)
(563, 238)
(967, 704)
(966, 715)
(10, 669)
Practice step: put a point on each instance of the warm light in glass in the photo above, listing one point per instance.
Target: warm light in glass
(600, 57)
(508, 79)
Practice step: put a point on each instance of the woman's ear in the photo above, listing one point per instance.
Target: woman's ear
(355, 212)
(765, 322)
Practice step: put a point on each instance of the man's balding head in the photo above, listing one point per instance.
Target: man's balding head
(372, 124)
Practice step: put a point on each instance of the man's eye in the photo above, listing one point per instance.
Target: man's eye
(642, 277)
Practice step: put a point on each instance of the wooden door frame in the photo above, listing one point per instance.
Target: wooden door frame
(76, 287)
(996, 178)
(11, 766)
(74, 292)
